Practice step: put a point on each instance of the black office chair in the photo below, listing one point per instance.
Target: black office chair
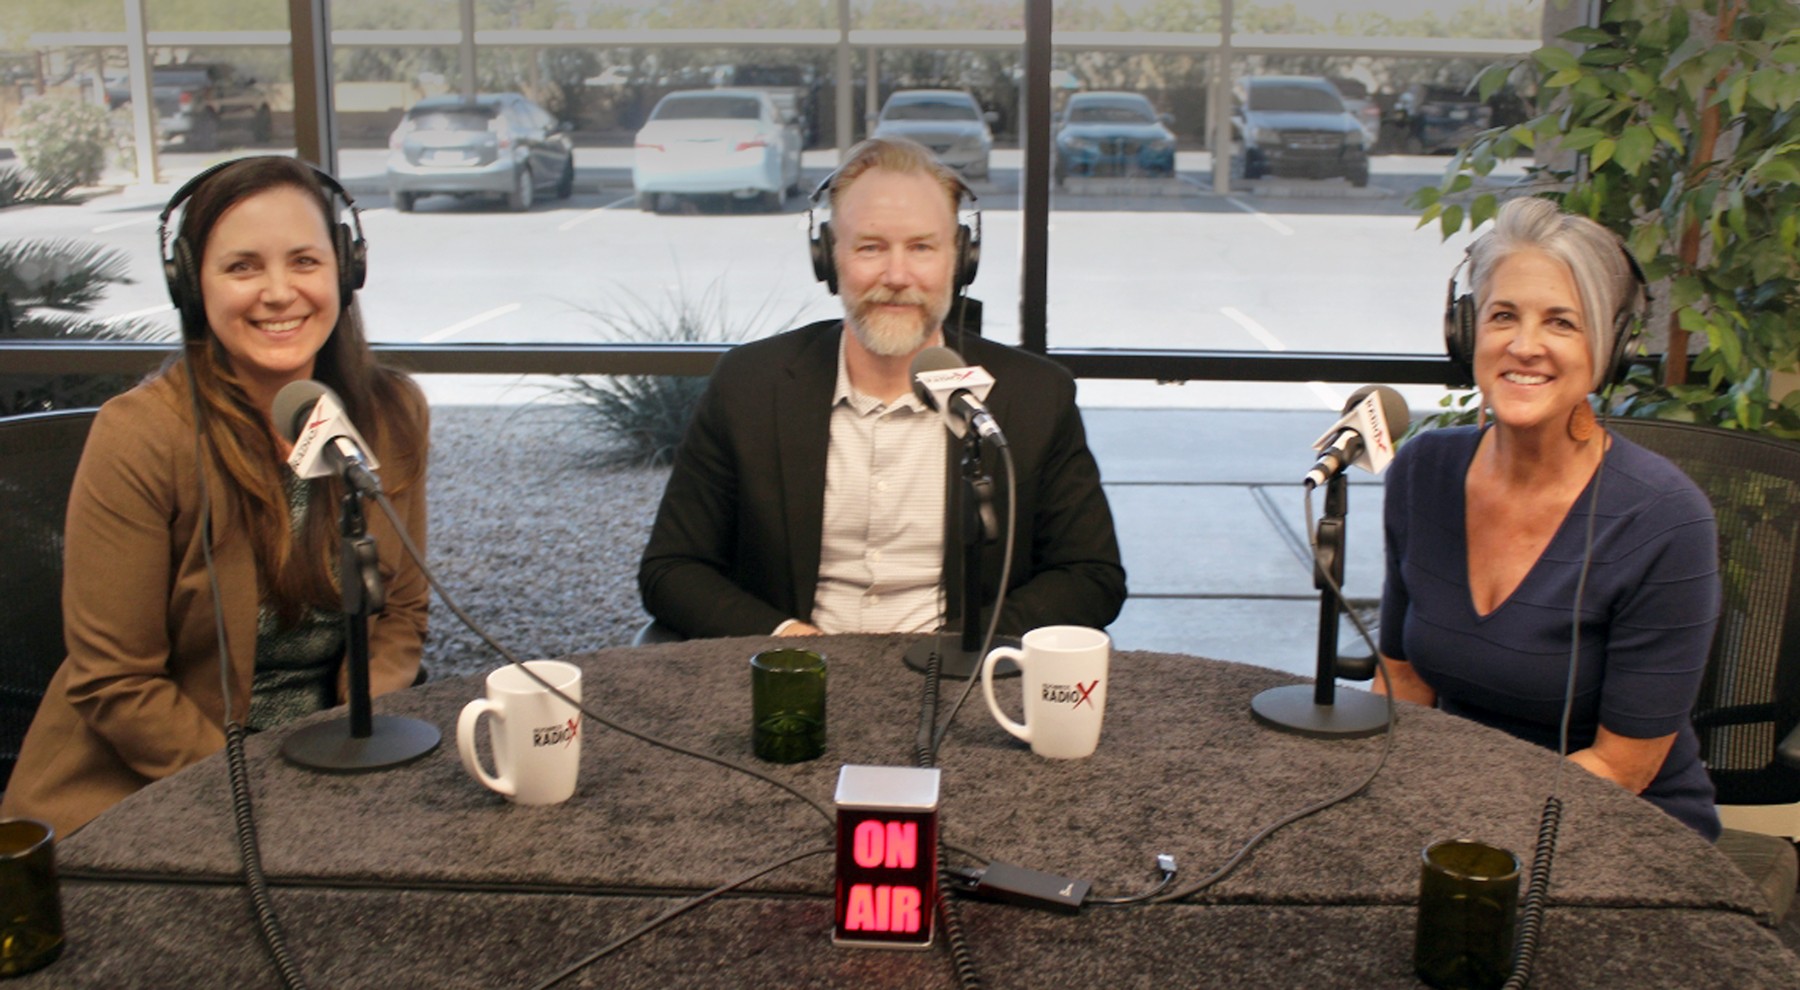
(1748, 712)
(38, 454)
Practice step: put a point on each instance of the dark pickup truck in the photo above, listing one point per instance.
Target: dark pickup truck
(196, 102)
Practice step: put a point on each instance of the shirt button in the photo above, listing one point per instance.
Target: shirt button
(875, 555)
(874, 599)
(881, 486)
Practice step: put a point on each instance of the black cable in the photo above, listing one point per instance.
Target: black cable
(418, 559)
(256, 885)
(925, 755)
(673, 913)
(1257, 839)
(1531, 911)
(1165, 866)
(1537, 891)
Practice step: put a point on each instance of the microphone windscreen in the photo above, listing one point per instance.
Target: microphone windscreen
(1357, 397)
(1393, 409)
(293, 403)
(928, 360)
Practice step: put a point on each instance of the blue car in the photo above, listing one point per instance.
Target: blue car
(1113, 133)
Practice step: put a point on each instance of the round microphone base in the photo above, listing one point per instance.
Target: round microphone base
(954, 662)
(330, 747)
(1353, 715)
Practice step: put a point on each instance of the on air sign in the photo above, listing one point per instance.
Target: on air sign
(886, 857)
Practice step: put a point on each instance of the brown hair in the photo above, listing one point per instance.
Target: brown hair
(295, 569)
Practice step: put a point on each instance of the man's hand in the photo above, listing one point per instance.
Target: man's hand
(801, 629)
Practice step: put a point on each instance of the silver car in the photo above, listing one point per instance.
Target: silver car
(948, 121)
(502, 144)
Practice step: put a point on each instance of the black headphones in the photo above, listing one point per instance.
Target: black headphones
(1460, 317)
(181, 262)
(822, 242)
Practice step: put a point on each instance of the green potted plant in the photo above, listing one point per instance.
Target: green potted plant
(1676, 124)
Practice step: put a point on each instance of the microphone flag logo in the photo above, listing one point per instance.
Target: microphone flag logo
(325, 424)
(1368, 420)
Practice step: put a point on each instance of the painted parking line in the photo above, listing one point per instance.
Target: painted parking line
(573, 222)
(134, 314)
(477, 319)
(1268, 221)
(122, 224)
(1327, 395)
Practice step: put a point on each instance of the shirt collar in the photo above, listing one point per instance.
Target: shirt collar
(863, 405)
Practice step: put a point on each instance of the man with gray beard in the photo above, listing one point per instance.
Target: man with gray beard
(808, 495)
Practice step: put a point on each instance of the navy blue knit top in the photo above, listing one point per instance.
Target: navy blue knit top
(1647, 614)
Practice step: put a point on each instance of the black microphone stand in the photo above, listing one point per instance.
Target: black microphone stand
(1316, 711)
(978, 524)
(363, 741)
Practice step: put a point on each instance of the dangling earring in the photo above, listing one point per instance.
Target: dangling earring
(1581, 422)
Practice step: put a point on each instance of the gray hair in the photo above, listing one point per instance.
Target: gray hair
(1595, 256)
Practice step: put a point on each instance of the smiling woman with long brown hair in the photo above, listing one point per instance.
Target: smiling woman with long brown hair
(263, 274)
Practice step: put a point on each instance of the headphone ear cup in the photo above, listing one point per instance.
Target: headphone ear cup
(1459, 335)
(968, 257)
(1625, 334)
(353, 263)
(824, 260)
(183, 274)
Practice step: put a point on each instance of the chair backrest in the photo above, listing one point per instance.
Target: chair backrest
(38, 454)
(1751, 696)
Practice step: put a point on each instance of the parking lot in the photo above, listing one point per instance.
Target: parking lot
(1300, 265)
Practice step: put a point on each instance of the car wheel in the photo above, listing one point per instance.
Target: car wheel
(772, 200)
(565, 185)
(263, 126)
(519, 200)
(1359, 179)
(403, 201)
(979, 170)
(1415, 145)
(646, 201)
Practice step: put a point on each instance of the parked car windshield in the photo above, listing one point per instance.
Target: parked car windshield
(451, 119)
(180, 77)
(930, 110)
(1298, 99)
(707, 108)
(1110, 113)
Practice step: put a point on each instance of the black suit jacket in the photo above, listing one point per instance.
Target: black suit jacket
(735, 548)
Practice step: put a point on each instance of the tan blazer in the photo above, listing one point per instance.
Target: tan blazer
(138, 697)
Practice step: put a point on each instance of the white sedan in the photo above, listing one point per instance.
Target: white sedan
(734, 142)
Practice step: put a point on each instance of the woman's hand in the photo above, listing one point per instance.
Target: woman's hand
(1407, 684)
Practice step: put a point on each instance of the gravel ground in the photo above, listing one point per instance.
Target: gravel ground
(536, 543)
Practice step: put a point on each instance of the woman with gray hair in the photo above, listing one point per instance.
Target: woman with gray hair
(1493, 589)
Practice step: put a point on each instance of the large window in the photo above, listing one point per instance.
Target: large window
(564, 206)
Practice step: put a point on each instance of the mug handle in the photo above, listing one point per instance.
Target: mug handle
(466, 726)
(987, 687)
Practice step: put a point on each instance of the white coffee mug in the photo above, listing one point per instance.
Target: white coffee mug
(1063, 672)
(536, 737)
